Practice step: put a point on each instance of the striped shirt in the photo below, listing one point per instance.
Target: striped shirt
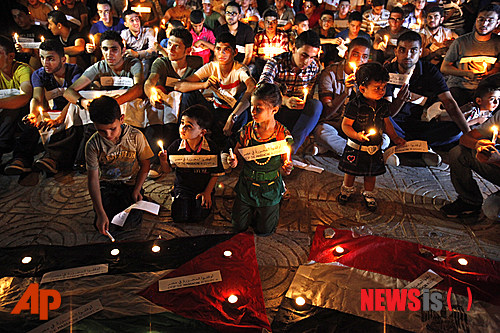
(379, 21)
(266, 48)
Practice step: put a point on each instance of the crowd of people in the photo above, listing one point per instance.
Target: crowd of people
(119, 89)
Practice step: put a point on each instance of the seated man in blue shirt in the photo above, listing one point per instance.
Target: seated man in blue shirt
(106, 21)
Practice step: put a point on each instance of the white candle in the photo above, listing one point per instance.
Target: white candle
(91, 37)
(156, 33)
(160, 143)
(110, 236)
(231, 154)
(353, 66)
(16, 37)
(42, 39)
(495, 134)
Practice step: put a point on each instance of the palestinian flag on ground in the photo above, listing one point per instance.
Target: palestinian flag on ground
(331, 285)
(129, 292)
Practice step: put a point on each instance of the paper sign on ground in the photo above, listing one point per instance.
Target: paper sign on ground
(117, 81)
(67, 319)
(92, 94)
(151, 207)
(307, 167)
(264, 150)
(189, 281)
(425, 281)
(74, 273)
(417, 146)
(193, 161)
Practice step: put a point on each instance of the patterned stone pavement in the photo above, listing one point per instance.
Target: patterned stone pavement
(58, 210)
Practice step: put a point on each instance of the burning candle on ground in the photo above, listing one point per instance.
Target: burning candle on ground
(160, 143)
(495, 134)
(16, 37)
(91, 37)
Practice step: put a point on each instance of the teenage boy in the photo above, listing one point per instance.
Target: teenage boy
(268, 43)
(39, 11)
(78, 10)
(232, 86)
(165, 71)
(203, 39)
(335, 87)
(149, 16)
(106, 20)
(436, 39)
(300, 25)
(326, 32)
(296, 72)
(341, 17)
(354, 29)
(243, 33)
(72, 40)
(114, 72)
(377, 16)
(117, 159)
(386, 38)
(139, 41)
(212, 18)
(13, 75)
(415, 20)
(179, 12)
(425, 83)
(286, 15)
(49, 83)
(473, 56)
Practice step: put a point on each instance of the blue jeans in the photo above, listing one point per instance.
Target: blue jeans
(300, 123)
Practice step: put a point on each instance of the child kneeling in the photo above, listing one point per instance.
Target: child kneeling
(117, 159)
(195, 177)
(366, 117)
(260, 186)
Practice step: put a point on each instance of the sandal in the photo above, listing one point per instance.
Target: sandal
(370, 202)
(345, 194)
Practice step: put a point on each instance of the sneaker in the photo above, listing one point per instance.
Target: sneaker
(370, 202)
(345, 194)
(432, 158)
(46, 164)
(16, 167)
(393, 160)
(155, 172)
(460, 208)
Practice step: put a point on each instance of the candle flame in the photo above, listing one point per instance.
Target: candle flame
(352, 64)
(56, 8)
(386, 39)
(40, 109)
(306, 91)
(372, 131)
(16, 37)
(156, 30)
(485, 66)
(42, 39)
(160, 144)
(419, 21)
(154, 95)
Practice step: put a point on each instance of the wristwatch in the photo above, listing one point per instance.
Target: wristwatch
(235, 117)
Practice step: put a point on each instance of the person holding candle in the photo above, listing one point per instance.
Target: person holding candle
(294, 72)
(377, 15)
(478, 151)
(78, 10)
(49, 83)
(464, 60)
(148, 13)
(416, 18)
(13, 75)
(117, 158)
(436, 39)
(212, 18)
(366, 117)
(260, 187)
(353, 29)
(193, 192)
(385, 39)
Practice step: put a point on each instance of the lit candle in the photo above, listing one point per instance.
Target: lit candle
(163, 22)
(372, 131)
(228, 253)
(110, 236)
(156, 33)
(463, 261)
(160, 143)
(372, 26)
(16, 37)
(495, 134)
(26, 260)
(91, 37)
(339, 249)
(231, 154)
(156, 248)
(485, 67)
(115, 252)
(42, 39)
(40, 110)
(386, 40)
(124, 43)
(232, 299)
(288, 153)
(154, 95)
(300, 301)
(305, 93)
(353, 66)
(419, 22)
(56, 8)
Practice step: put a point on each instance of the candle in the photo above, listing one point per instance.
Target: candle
(386, 40)
(156, 33)
(339, 249)
(160, 143)
(40, 110)
(16, 37)
(154, 95)
(42, 39)
(163, 22)
(26, 260)
(305, 93)
(56, 8)
(495, 134)
(231, 154)
(300, 301)
(156, 248)
(288, 153)
(110, 236)
(232, 299)
(353, 66)
(124, 43)
(228, 253)
(91, 37)
(463, 261)
(485, 67)
(419, 22)
(372, 131)
(115, 252)
(372, 26)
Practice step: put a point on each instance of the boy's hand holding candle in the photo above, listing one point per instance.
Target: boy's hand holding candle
(231, 159)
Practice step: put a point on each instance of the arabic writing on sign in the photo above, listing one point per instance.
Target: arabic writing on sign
(189, 281)
(193, 161)
(265, 150)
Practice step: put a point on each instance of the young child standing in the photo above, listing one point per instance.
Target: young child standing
(117, 159)
(366, 118)
(194, 183)
(260, 186)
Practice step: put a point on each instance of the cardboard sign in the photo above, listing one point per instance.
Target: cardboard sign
(240, 49)
(74, 273)
(67, 319)
(170, 81)
(425, 281)
(193, 161)
(117, 81)
(224, 95)
(189, 281)
(264, 150)
(54, 93)
(399, 79)
(418, 146)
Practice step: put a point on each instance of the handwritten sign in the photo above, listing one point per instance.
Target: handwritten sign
(4, 93)
(54, 93)
(91, 94)
(193, 161)
(150, 207)
(282, 22)
(414, 97)
(225, 96)
(342, 50)
(398, 79)
(67, 319)
(117, 81)
(307, 167)
(74, 273)
(30, 45)
(479, 59)
(189, 281)
(264, 150)
(425, 281)
(410, 146)
(170, 81)
(141, 10)
(240, 48)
